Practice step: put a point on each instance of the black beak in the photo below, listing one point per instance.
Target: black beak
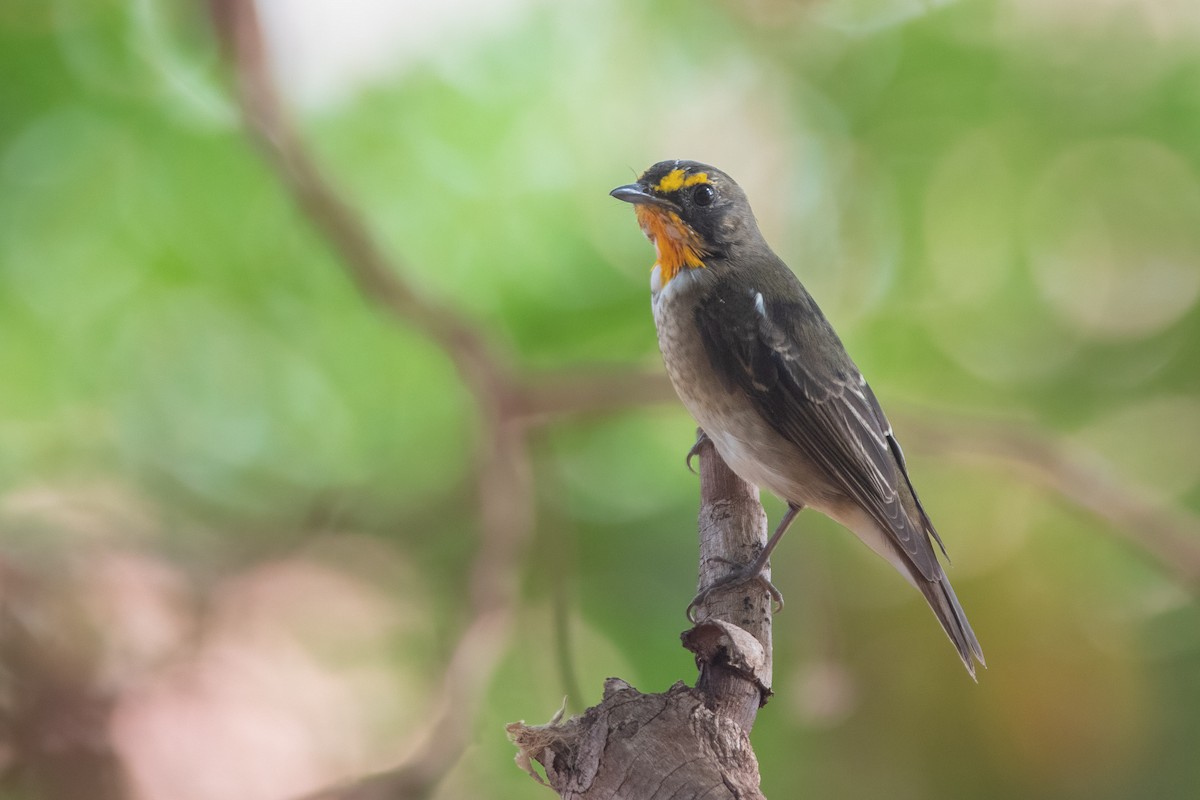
(633, 193)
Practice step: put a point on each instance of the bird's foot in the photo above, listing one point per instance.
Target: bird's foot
(736, 578)
(701, 438)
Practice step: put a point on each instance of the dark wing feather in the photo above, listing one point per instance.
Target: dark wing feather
(786, 358)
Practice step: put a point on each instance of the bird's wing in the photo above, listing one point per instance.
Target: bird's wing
(787, 359)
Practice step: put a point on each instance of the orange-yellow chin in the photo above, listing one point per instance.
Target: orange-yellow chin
(677, 244)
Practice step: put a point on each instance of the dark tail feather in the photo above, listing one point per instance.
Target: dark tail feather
(945, 606)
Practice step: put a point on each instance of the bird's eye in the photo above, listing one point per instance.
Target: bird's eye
(703, 195)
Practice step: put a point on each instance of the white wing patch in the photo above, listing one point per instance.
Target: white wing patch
(759, 306)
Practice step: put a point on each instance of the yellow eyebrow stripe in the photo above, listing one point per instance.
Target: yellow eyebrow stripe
(675, 180)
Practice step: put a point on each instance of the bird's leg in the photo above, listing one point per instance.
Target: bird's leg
(785, 522)
(701, 438)
(754, 571)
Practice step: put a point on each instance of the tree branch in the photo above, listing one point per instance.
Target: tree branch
(1168, 536)
(505, 492)
(683, 742)
(377, 276)
(550, 398)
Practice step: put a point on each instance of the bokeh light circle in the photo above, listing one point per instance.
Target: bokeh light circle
(1112, 231)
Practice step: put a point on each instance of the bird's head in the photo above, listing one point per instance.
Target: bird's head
(690, 211)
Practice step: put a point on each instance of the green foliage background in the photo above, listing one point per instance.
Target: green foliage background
(996, 203)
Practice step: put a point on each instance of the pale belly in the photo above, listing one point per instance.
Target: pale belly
(747, 443)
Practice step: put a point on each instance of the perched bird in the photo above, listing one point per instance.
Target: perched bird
(768, 380)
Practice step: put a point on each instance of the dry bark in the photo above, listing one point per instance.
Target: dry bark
(685, 742)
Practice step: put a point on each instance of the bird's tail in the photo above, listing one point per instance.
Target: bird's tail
(946, 608)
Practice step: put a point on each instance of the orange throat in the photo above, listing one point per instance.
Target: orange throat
(678, 246)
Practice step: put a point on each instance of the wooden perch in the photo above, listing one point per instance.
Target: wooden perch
(685, 742)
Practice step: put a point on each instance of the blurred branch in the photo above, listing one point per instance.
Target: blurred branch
(505, 491)
(580, 393)
(506, 503)
(377, 276)
(57, 706)
(1169, 536)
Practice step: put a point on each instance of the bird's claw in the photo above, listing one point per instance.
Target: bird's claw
(701, 438)
(735, 579)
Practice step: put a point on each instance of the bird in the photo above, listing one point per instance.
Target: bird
(768, 380)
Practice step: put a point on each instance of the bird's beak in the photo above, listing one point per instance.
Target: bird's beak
(633, 193)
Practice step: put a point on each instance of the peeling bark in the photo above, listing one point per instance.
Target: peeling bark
(685, 742)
